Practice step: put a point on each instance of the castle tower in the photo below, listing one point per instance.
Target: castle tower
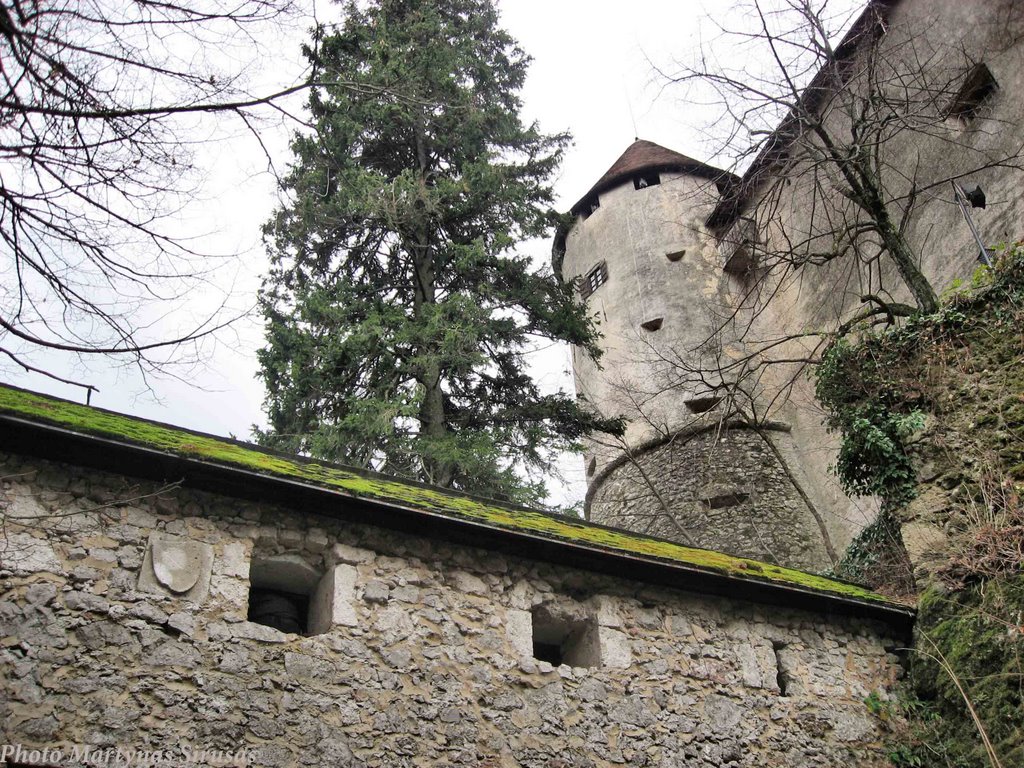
(688, 467)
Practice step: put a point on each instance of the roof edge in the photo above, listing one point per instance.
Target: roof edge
(661, 160)
(415, 508)
(735, 199)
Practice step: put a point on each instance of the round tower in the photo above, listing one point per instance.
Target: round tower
(690, 466)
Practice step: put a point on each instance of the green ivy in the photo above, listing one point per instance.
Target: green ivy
(862, 406)
(877, 557)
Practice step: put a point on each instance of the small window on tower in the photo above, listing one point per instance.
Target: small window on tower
(594, 279)
(978, 87)
(646, 180)
(589, 207)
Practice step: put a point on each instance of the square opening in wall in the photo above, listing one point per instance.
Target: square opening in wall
(565, 637)
(281, 590)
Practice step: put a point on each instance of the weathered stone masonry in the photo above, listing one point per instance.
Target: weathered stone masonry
(736, 494)
(426, 657)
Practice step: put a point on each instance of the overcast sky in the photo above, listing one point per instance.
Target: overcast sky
(591, 75)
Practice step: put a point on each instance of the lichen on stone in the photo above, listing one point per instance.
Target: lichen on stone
(360, 484)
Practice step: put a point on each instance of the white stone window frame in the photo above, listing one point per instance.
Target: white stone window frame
(599, 637)
(330, 592)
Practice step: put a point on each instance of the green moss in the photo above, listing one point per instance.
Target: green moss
(93, 421)
(978, 633)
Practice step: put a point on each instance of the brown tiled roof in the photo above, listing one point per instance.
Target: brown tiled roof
(644, 155)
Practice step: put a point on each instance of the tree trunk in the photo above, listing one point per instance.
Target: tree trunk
(433, 422)
(899, 250)
(867, 192)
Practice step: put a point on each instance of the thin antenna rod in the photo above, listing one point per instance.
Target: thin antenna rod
(629, 106)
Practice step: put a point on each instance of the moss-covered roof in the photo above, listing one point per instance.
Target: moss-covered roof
(212, 450)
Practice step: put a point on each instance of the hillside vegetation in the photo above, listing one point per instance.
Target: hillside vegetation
(931, 417)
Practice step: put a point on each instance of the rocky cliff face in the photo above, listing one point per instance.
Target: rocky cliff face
(932, 418)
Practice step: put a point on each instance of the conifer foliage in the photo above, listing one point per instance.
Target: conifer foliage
(397, 310)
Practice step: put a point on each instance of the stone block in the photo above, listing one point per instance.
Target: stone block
(333, 601)
(344, 553)
(519, 631)
(607, 611)
(233, 560)
(615, 648)
(25, 554)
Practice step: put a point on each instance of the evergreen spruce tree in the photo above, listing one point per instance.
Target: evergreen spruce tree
(397, 310)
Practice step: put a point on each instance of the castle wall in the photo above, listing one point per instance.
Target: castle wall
(948, 36)
(722, 488)
(425, 656)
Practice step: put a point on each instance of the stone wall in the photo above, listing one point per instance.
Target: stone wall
(720, 488)
(426, 655)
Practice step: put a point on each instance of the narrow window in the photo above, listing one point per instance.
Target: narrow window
(729, 499)
(702, 404)
(591, 467)
(559, 638)
(978, 86)
(738, 247)
(594, 279)
(646, 180)
(741, 260)
(781, 672)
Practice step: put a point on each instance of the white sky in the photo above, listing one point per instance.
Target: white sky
(590, 76)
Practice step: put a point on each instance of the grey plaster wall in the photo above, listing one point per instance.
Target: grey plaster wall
(949, 36)
(726, 489)
(426, 658)
(663, 263)
(633, 232)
